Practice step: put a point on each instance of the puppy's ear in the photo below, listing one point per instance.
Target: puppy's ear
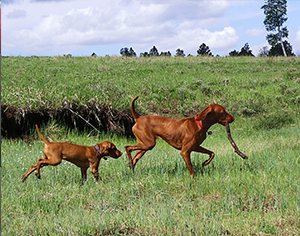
(202, 115)
(109, 145)
(106, 146)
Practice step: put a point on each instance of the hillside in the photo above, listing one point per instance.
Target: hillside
(40, 89)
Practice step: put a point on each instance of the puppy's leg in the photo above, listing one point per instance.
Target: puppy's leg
(83, 174)
(94, 170)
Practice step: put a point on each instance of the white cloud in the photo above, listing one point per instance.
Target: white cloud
(298, 35)
(256, 48)
(73, 25)
(191, 39)
(256, 32)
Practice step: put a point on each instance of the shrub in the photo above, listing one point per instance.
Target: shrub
(274, 121)
(245, 111)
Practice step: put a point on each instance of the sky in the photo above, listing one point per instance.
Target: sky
(81, 27)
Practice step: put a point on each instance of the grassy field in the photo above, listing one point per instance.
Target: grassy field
(230, 196)
(166, 85)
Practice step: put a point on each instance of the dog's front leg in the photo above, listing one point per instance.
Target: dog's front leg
(205, 151)
(94, 170)
(187, 158)
(96, 175)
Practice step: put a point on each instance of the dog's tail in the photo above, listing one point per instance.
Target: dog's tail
(42, 137)
(135, 115)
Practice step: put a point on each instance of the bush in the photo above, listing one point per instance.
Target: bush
(245, 111)
(274, 121)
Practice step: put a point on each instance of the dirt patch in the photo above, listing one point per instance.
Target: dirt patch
(18, 122)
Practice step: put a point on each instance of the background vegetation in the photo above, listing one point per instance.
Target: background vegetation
(258, 196)
(246, 86)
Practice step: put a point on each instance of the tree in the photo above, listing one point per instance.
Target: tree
(127, 53)
(153, 52)
(245, 51)
(277, 49)
(263, 52)
(132, 53)
(234, 53)
(204, 50)
(166, 54)
(94, 55)
(179, 53)
(144, 54)
(275, 11)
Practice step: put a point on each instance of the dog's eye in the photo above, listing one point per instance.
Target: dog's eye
(223, 116)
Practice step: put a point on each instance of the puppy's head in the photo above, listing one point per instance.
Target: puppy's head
(108, 149)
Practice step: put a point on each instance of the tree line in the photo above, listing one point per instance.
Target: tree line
(204, 50)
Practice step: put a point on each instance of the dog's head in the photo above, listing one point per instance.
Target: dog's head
(216, 114)
(108, 149)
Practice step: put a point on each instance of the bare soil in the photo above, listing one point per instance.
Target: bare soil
(19, 122)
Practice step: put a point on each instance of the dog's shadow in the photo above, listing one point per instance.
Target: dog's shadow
(206, 170)
(179, 168)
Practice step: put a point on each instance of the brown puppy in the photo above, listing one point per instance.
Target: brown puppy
(183, 134)
(82, 156)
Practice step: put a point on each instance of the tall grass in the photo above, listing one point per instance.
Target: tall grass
(246, 86)
(258, 196)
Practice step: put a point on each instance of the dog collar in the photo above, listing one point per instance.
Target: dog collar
(97, 149)
(199, 123)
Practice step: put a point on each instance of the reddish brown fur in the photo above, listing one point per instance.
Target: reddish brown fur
(82, 156)
(183, 134)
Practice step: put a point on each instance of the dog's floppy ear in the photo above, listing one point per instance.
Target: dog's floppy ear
(202, 115)
(105, 146)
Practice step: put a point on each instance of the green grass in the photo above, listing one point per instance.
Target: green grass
(230, 196)
(258, 196)
(246, 86)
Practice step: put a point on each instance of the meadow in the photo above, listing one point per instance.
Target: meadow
(230, 196)
(180, 86)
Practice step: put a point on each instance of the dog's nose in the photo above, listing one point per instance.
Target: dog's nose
(230, 118)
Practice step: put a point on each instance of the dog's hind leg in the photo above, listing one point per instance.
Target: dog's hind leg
(31, 169)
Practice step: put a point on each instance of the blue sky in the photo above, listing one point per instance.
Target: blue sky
(77, 27)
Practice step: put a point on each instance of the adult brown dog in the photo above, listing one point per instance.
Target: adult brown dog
(82, 156)
(183, 134)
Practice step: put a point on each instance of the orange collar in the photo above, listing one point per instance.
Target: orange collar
(199, 123)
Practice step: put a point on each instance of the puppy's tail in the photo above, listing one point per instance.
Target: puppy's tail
(42, 137)
(135, 115)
